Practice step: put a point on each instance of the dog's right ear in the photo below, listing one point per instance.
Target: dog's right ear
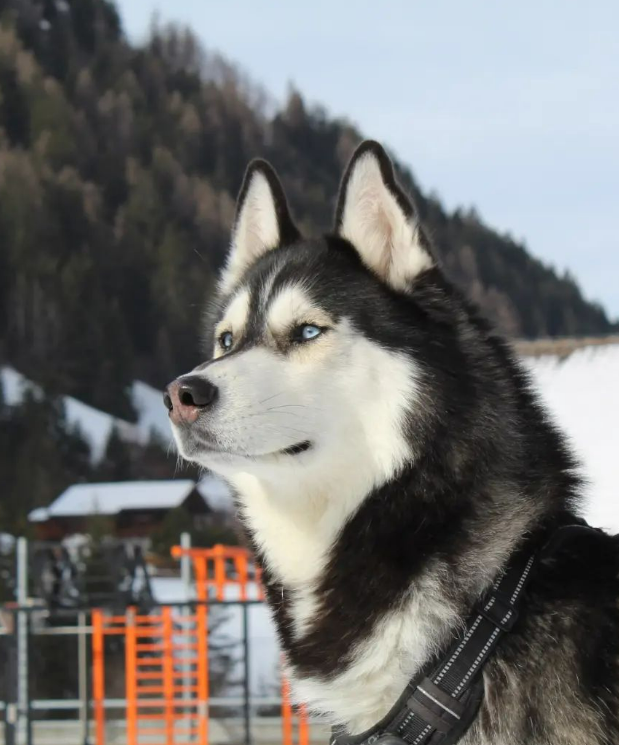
(262, 221)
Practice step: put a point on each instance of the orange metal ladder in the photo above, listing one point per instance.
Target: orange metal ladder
(222, 567)
(166, 677)
(166, 657)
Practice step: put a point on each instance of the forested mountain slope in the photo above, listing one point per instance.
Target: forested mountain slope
(118, 172)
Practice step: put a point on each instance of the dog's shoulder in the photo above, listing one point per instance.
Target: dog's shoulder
(557, 675)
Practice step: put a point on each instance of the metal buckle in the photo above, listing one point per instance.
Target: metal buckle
(435, 706)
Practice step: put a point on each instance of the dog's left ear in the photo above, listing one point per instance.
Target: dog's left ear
(262, 221)
(374, 214)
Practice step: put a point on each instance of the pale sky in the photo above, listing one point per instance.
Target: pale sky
(512, 108)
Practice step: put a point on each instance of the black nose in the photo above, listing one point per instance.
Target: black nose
(196, 391)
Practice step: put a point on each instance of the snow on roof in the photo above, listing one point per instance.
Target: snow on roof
(112, 498)
(38, 515)
(581, 391)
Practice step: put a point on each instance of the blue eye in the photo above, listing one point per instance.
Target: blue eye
(225, 340)
(308, 331)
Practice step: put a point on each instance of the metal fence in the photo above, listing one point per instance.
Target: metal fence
(143, 676)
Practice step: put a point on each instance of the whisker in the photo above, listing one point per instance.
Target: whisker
(286, 413)
(281, 393)
(295, 406)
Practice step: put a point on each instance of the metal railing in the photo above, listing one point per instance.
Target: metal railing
(165, 660)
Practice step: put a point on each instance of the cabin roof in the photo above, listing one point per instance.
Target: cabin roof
(81, 500)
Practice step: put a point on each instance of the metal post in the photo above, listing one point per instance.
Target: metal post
(23, 705)
(98, 674)
(186, 564)
(10, 714)
(186, 610)
(246, 681)
(82, 661)
(28, 717)
(131, 687)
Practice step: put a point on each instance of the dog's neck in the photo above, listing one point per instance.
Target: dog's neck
(295, 525)
(362, 583)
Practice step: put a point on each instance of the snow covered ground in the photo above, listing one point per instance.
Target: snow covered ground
(152, 414)
(582, 392)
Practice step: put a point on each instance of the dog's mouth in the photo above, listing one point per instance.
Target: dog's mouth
(301, 447)
(215, 449)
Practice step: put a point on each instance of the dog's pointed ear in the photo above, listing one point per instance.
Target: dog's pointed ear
(262, 221)
(375, 215)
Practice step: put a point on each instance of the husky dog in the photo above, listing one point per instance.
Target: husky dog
(389, 457)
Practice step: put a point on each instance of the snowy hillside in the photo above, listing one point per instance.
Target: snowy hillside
(94, 425)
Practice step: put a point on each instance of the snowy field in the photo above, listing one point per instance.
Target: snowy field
(582, 393)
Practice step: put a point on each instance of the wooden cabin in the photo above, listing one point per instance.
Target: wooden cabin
(128, 509)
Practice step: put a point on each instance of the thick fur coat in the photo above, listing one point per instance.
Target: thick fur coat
(389, 456)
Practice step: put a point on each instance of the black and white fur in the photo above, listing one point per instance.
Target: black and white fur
(387, 468)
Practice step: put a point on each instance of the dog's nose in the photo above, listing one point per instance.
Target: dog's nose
(196, 391)
(187, 396)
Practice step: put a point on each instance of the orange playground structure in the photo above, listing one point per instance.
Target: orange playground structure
(167, 657)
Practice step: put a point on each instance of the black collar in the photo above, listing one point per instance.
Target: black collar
(441, 701)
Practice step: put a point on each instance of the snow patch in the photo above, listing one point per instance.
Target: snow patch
(582, 394)
(152, 414)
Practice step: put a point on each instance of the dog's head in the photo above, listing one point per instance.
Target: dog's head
(316, 344)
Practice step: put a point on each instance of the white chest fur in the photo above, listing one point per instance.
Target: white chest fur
(297, 551)
(382, 664)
